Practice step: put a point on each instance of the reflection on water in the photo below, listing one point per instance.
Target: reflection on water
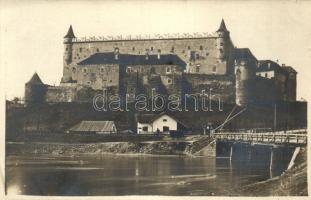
(134, 175)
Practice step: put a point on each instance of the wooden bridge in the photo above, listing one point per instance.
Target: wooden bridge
(295, 137)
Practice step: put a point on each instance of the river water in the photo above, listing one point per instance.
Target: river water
(132, 175)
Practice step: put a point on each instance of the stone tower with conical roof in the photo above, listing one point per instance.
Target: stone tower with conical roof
(222, 41)
(68, 39)
(35, 91)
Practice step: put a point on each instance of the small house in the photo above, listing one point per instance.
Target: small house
(148, 124)
(94, 127)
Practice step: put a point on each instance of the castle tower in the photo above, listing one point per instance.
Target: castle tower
(244, 77)
(35, 91)
(68, 39)
(222, 41)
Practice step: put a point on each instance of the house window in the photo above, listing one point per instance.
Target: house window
(164, 120)
(201, 47)
(85, 70)
(89, 82)
(221, 44)
(197, 56)
(66, 49)
(169, 81)
(133, 49)
(97, 49)
(189, 48)
(197, 69)
(151, 48)
(266, 75)
(102, 69)
(74, 70)
(80, 49)
(168, 70)
(145, 128)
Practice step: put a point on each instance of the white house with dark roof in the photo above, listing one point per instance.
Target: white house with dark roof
(148, 124)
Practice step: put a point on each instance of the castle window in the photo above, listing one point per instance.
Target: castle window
(221, 44)
(80, 49)
(214, 69)
(133, 49)
(169, 81)
(189, 48)
(89, 82)
(102, 69)
(197, 69)
(183, 51)
(151, 48)
(201, 47)
(207, 54)
(128, 69)
(97, 49)
(197, 56)
(84, 70)
(110, 81)
(66, 49)
(168, 70)
(221, 51)
(74, 70)
(172, 49)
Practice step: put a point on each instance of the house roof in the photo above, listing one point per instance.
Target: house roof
(93, 126)
(131, 59)
(70, 33)
(35, 79)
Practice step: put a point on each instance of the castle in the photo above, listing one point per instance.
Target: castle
(167, 65)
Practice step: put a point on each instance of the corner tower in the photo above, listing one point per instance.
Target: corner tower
(68, 42)
(222, 41)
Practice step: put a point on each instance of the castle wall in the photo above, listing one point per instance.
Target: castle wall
(222, 87)
(97, 76)
(56, 94)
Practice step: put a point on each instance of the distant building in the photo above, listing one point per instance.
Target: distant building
(148, 124)
(94, 127)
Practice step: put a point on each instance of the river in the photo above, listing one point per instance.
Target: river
(132, 175)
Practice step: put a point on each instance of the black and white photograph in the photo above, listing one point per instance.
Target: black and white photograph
(154, 98)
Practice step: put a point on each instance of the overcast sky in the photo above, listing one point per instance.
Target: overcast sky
(32, 31)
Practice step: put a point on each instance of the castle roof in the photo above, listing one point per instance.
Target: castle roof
(70, 33)
(222, 26)
(289, 69)
(35, 79)
(268, 65)
(243, 54)
(131, 59)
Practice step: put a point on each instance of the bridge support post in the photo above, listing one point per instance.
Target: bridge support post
(271, 162)
(231, 151)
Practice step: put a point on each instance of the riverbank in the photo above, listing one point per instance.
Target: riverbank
(293, 182)
(171, 147)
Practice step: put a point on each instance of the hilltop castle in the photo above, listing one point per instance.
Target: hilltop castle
(167, 65)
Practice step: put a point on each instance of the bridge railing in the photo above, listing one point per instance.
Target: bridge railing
(297, 137)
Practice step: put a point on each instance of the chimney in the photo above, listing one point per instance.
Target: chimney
(159, 54)
(116, 53)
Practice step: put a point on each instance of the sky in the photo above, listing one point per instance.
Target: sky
(31, 32)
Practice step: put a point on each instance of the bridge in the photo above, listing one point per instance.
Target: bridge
(294, 137)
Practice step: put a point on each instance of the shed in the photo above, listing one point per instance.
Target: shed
(98, 127)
